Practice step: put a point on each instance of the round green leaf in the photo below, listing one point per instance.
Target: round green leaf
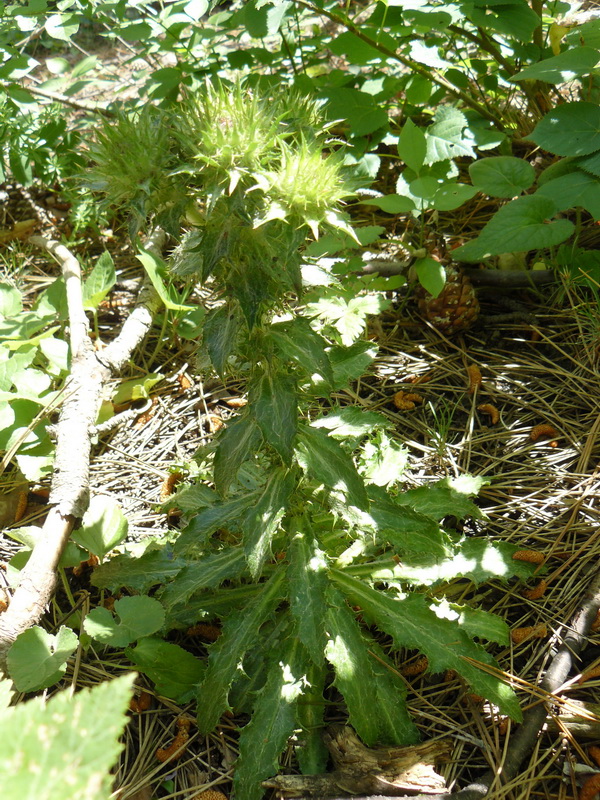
(519, 226)
(572, 129)
(431, 275)
(502, 176)
(37, 659)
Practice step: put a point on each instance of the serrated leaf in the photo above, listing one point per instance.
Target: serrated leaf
(438, 501)
(210, 519)
(349, 363)
(411, 622)
(483, 624)
(570, 129)
(99, 282)
(220, 335)
(561, 68)
(395, 723)
(274, 401)
(297, 341)
(347, 652)
(157, 272)
(207, 573)
(382, 460)
(261, 521)
(311, 752)
(138, 574)
(138, 616)
(446, 137)
(81, 740)
(273, 721)
(410, 531)
(308, 580)
(521, 225)
(38, 659)
(348, 317)
(235, 444)
(325, 461)
(502, 176)
(103, 527)
(175, 672)
(350, 422)
(239, 632)
(359, 109)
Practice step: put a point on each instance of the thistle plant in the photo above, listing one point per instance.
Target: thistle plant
(300, 533)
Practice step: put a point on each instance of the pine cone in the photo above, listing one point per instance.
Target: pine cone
(455, 308)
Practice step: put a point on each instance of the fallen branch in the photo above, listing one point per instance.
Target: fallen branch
(524, 739)
(69, 494)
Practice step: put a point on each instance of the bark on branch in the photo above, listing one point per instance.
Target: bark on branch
(69, 494)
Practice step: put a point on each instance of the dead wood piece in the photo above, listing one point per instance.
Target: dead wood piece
(69, 494)
(361, 770)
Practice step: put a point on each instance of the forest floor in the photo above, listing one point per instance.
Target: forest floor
(542, 495)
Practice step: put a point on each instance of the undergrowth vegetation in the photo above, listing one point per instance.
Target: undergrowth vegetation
(271, 122)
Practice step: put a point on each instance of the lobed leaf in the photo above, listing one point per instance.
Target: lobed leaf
(261, 520)
(307, 582)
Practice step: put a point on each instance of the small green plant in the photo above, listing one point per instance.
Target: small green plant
(293, 539)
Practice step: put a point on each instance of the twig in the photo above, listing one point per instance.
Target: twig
(69, 494)
(56, 97)
(534, 718)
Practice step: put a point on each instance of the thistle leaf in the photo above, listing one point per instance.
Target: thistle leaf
(311, 753)
(308, 580)
(239, 632)
(235, 445)
(261, 521)
(413, 622)
(220, 335)
(208, 573)
(273, 721)
(274, 401)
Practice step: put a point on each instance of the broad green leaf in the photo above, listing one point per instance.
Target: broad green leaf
(451, 195)
(347, 652)
(412, 146)
(311, 752)
(561, 68)
(391, 203)
(210, 519)
(138, 574)
(264, 18)
(209, 572)
(10, 300)
(99, 282)
(577, 189)
(308, 580)
(521, 225)
(357, 51)
(103, 527)
(62, 26)
(73, 738)
(439, 500)
(138, 616)
(136, 389)
(236, 443)
(411, 622)
(273, 721)
(502, 176)
(57, 352)
(359, 109)
(350, 422)
(570, 129)
(175, 671)
(325, 461)
(157, 272)
(191, 324)
(446, 137)
(349, 363)
(262, 519)
(220, 335)
(240, 631)
(413, 533)
(297, 341)
(510, 17)
(274, 401)
(38, 659)
(431, 274)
